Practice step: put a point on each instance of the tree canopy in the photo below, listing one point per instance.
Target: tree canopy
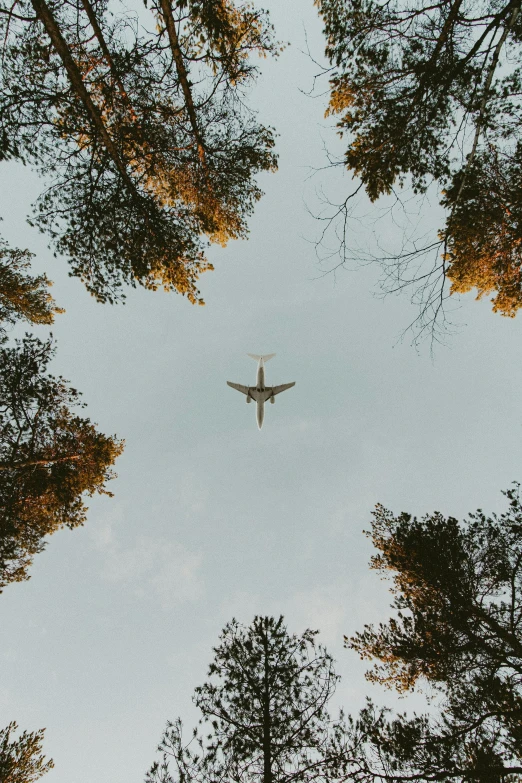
(457, 629)
(264, 708)
(430, 92)
(50, 457)
(144, 138)
(23, 296)
(21, 759)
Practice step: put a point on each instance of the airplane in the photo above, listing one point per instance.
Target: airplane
(260, 393)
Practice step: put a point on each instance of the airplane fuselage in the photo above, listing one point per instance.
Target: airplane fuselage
(261, 375)
(260, 392)
(260, 387)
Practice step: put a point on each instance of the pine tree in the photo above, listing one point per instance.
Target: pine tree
(21, 759)
(144, 138)
(50, 457)
(264, 709)
(430, 93)
(23, 296)
(457, 629)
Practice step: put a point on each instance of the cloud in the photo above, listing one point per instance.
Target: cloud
(150, 565)
(323, 609)
(340, 607)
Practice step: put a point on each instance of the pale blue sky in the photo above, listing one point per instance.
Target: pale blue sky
(212, 518)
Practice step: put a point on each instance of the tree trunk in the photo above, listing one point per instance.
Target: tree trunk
(45, 15)
(267, 738)
(89, 10)
(170, 25)
(34, 462)
(487, 87)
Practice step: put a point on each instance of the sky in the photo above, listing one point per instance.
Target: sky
(211, 518)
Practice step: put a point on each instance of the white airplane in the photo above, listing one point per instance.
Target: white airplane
(260, 393)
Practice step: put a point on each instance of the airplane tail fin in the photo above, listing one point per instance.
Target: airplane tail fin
(265, 357)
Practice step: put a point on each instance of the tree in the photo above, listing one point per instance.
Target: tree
(145, 136)
(489, 197)
(430, 92)
(265, 710)
(458, 629)
(21, 760)
(22, 296)
(50, 457)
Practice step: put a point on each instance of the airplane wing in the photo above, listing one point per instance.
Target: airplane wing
(282, 388)
(238, 387)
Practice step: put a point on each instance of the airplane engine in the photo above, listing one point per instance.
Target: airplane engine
(248, 399)
(272, 400)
